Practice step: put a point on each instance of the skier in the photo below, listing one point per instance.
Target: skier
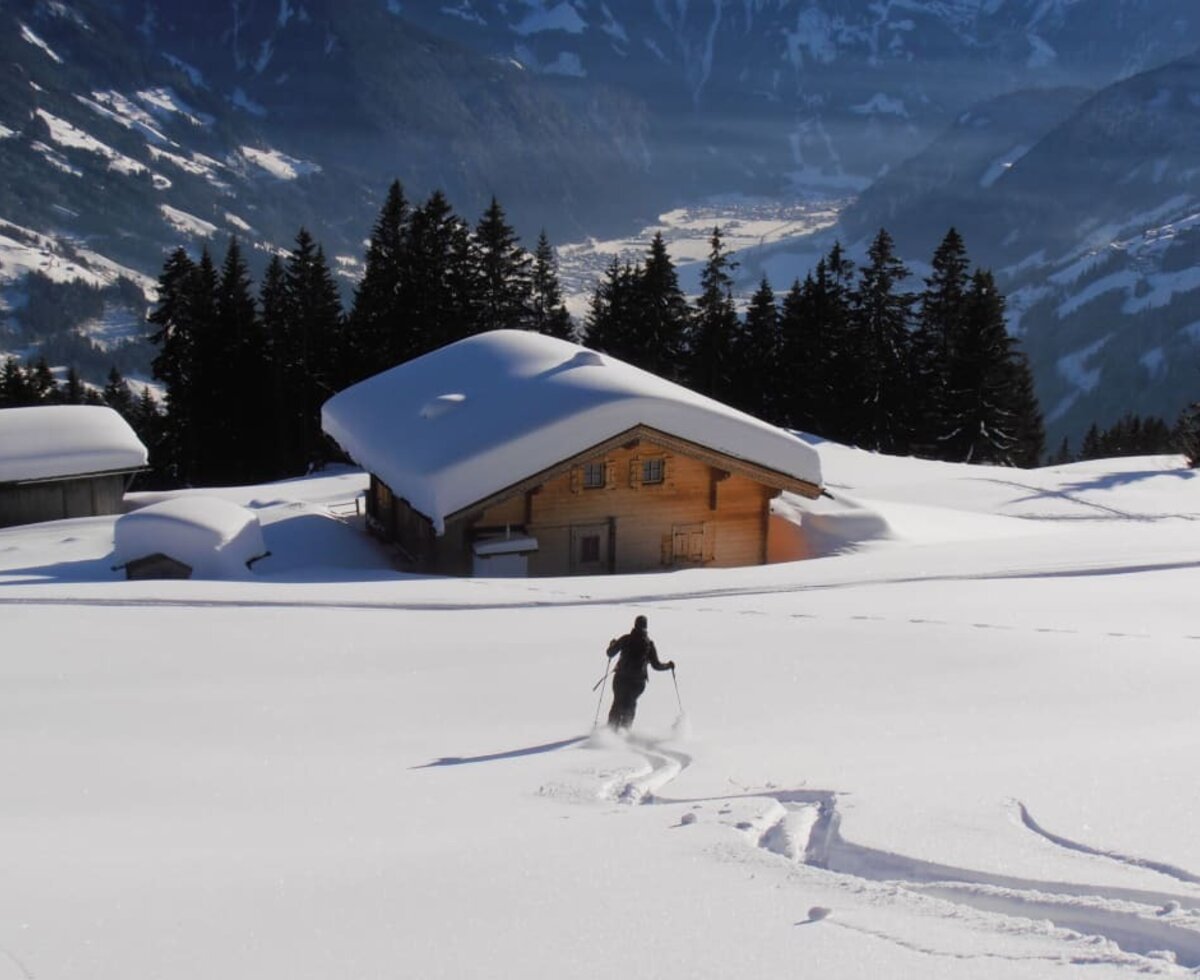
(629, 679)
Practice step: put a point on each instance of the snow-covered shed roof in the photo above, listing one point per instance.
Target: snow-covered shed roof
(461, 423)
(45, 442)
(215, 537)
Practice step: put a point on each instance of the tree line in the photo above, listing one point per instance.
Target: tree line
(848, 353)
(245, 377)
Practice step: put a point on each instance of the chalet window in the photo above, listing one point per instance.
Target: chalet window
(589, 548)
(594, 476)
(653, 470)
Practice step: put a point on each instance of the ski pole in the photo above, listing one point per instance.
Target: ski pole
(677, 697)
(600, 700)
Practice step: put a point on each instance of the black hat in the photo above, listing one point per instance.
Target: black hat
(639, 623)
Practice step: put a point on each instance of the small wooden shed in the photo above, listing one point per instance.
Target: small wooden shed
(61, 461)
(514, 453)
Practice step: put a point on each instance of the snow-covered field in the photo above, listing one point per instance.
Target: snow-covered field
(964, 743)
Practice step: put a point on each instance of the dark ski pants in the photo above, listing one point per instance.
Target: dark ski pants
(626, 691)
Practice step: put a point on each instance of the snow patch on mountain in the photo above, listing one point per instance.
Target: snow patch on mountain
(186, 223)
(1074, 366)
(37, 42)
(562, 17)
(23, 250)
(165, 103)
(240, 100)
(1124, 279)
(194, 75)
(115, 107)
(278, 164)
(6, 133)
(237, 222)
(1163, 287)
(55, 159)
(65, 134)
(881, 105)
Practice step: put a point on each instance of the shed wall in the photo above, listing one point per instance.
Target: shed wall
(56, 500)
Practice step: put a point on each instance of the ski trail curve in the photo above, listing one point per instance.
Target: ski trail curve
(661, 766)
(1161, 867)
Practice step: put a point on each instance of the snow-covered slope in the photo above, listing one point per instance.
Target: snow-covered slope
(962, 747)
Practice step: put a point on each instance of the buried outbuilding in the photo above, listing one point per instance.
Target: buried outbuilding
(61, 461)
(522, 453)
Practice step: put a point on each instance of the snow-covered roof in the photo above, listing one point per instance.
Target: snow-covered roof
(461, 423)
(215, 537)
(45, 442)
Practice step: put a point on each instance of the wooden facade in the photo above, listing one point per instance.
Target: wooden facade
(34, 501)
(642, 501)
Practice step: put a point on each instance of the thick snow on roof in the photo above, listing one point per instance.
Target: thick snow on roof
(457, 425)
(215, 537)
(47, 441)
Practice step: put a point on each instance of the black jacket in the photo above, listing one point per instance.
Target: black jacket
(636, 650)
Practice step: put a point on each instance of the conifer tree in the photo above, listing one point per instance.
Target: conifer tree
(880, 345)
(611, 311)
(547, 312)
(311, 353)
(279, 416)
(440, 293)
(173, 365)
(757, 379)
(42, 382)
(657, 314)
(939, 325)
(117, 395)
(73, 391)
(991, 410)
(236, 402)
(502, 274)
(378, 327)
(16, 389)
(714, 324)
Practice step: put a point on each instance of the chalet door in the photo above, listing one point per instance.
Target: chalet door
(590, 549)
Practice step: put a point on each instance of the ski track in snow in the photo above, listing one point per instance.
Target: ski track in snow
(803, 828)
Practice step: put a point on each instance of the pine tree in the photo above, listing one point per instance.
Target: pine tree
(440, 292)
(117, 395)
(502, 274)
(73, 392)
(174, 363)
(714, 324)
(16, 389)
(547, 312)
(239, 378)
(657, 315)
(990, 405)
(378, 327)
(279, 417)
(41, 382)
(311, 353)
(758, 382)
(611, 312)
(881, 348)
(939, 326)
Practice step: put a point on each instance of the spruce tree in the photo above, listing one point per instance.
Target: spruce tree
(658, 314)
(939, 325)
(42, 383)
(279, 420)
(547, 312)
(73, 391)
(758, 381)
(440, 289)
(173, 365)
(117, 395)
(991, 409)
(16, 389)
(610, 314)
(880, 345)
(502, 274)
(714, 324)
(312, 355)
(236, 391)
(378, 328)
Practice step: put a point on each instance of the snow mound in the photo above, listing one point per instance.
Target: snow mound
(216, 537)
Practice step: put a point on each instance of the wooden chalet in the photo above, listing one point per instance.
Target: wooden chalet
(63, 461)
(516, 454)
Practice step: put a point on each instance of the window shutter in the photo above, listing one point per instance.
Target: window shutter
(668, 470)
(635, 472)
(710, 541)
(576, 479)
(610, 475)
